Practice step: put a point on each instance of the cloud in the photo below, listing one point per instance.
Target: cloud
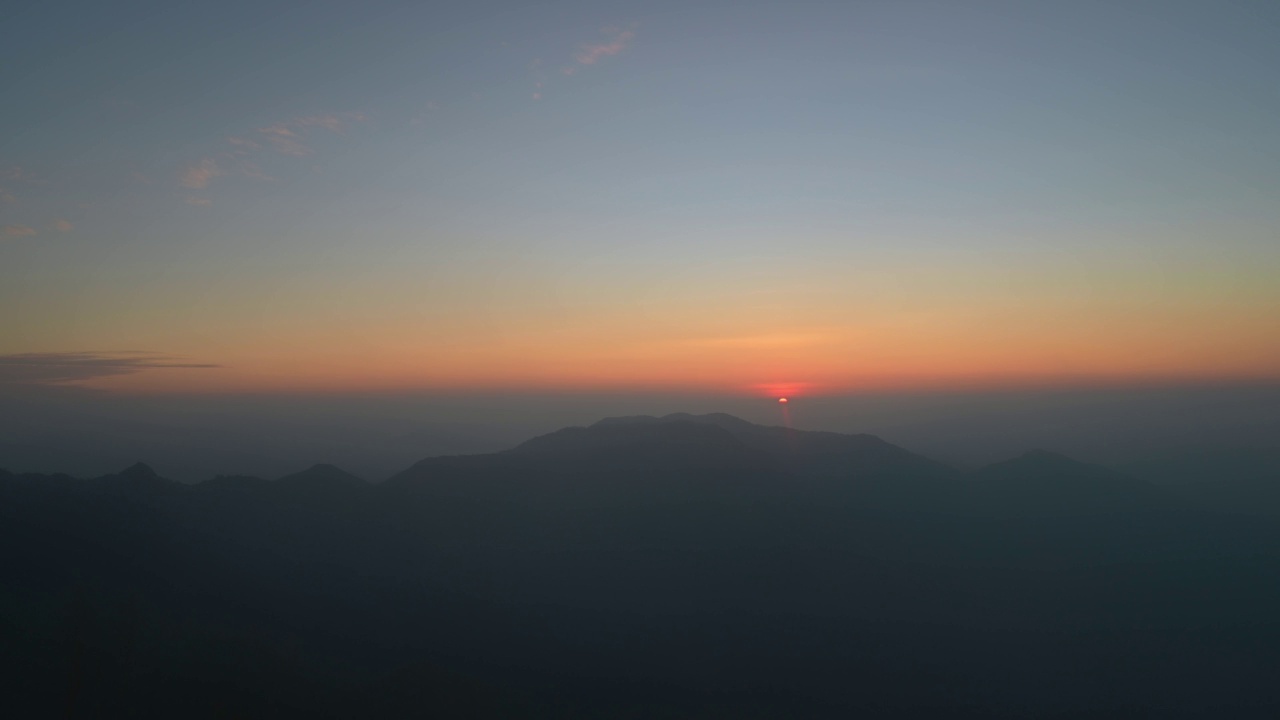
(591, 54)
(12, 231)
(63, 225)
(197, 177)
(70, 367)
(242, 153)
(287, 137)
(284, 140)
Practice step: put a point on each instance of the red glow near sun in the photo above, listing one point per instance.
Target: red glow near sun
(779, 390)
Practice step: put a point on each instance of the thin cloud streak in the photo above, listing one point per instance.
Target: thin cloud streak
(13, 231)
(69, 367)
(286, 137)
(591, 54)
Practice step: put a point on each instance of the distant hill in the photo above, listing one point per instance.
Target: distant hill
(1045, 483)
(321, 476)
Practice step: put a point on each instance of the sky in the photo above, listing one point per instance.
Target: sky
(735, 198)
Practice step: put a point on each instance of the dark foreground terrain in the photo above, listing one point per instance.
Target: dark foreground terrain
(641, 568)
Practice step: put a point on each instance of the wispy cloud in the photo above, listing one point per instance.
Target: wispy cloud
(62, 225)
(285, 140)
(619, 40)
(13, 231)
(287, 137)
(241, 154)
(70, 367)
(198, 176)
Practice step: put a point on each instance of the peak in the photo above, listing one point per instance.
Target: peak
(138, 470)
(138, 476)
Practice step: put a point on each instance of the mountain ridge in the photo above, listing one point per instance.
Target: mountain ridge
(820, 452)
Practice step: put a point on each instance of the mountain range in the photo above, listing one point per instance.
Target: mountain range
(683, 566)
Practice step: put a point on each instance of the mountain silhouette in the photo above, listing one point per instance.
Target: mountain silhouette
(137, 479)
(138, 471)
(321, 478)
(812, 453)
(685, 565)
(1040, 482)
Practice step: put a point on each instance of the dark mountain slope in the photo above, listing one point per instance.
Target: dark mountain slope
(321, 476)
(1048, 484)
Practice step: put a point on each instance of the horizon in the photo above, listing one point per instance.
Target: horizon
(193, 437)
(611, 421)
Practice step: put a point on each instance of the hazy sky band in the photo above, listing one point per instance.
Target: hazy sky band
(626, 195)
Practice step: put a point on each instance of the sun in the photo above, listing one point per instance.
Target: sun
(783, 400)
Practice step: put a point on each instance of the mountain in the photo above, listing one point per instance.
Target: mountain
(680, 453)
(813, 453)
(1043, 483)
